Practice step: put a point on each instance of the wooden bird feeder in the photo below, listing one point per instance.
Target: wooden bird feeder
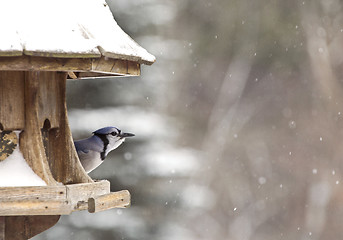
(42, 43)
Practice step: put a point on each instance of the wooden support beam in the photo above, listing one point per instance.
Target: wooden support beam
(62, 157)
(31, 63)
(44, 200)
(112, 200)
(101, 65)
(60, 200)
(78, 194)
(31, 141)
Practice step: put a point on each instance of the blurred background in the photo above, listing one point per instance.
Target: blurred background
(238, 124)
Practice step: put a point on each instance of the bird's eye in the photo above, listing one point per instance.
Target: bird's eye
(113, 133)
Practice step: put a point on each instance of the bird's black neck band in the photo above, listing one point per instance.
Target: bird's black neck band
(106, 142)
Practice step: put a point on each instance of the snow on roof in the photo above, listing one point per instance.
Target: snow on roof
(66, 29)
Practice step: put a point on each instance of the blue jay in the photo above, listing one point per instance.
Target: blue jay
(93, 150)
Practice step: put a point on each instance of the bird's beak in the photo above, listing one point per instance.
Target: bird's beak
(125, 135)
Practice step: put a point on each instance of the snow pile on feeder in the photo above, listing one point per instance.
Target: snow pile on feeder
(14, 170)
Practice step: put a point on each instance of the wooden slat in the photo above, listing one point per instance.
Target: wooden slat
(62, 157)
(119, 199)
(8, 194)
(49, 200)
(60, 200)
(31, 63)
(2, 228)
(44, 200)
(12, 113)
(25, 227)
(133, 68)
(50, 94)
(84, 75)
(35, 207)
(78, 194)
(116, 66)
(31, 141)
(103, 65)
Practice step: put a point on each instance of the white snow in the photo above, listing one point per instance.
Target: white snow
(66, 28)
(15, 172)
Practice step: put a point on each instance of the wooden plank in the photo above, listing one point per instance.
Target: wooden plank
(35, 207)
(97, 65)
(26, 227)
(72, 75)
(62, 157)
(83, 75)
(31, 141)
(119, 199)
(8, 194)
(78, 194)
(103, 64)
(2, 228)
(32, 63)
(42, 200)
(134, 68)
(60, 200)
(49, 93)
(12, 113)
(116, 66)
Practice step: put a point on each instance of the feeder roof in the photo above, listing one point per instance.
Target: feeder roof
(83, 29)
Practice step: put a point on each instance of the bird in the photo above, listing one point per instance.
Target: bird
(92, 151)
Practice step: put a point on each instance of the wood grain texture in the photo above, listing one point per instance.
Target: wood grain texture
(12, 113)
(31, 141)
(2, 228)
(32, 63)
(25, 227)
(119, 199)
(116, 66)
(103, 65)
(78, 194)
(62, 157)
(60, 200)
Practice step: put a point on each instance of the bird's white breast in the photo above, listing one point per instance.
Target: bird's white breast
(90, 160)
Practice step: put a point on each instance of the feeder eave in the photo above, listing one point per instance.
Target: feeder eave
(90, 33)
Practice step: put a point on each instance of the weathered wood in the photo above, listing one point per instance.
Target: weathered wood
(72, 75)
(12, 113)
(119, 199)
(116, 66)
(62, 157)
(60, 200)
(2, 228)
(78, 194)
(33, 63)
(8, 194)
(31, 141)
(83, 75)
(105, 66)
(42, 200)
(25, 227)
(35, 207)
(49, 96)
